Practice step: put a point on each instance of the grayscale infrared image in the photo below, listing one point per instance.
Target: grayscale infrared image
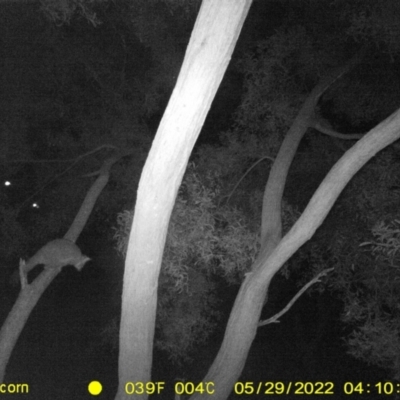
(199, 199)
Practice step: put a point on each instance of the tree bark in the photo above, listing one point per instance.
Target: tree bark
(210, 48)
(30, 294)
(242, 324)
(271, 219)
(245, 314)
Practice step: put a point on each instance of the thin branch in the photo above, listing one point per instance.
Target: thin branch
(76, 159)
(271, 218)
(54, 178)
(90, 199)
(30, 294)
(243, 176)
(331, 132)
(122, 154)
(316, 279)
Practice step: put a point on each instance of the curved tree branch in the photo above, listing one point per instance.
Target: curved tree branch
(271, 220)
(30, 294)
(331, 132)
(90, 199)
(243, 321)
(322, 201)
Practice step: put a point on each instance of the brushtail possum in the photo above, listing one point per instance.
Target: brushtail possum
(57, 254)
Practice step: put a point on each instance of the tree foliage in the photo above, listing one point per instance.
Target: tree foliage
(204, 241)
(366, 261)
(70, 93)
(279, 72)
(372, 307)
(67, 91)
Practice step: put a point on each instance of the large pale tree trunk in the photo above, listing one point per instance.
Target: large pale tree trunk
(210, 48)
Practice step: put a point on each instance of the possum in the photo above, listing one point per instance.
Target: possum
(55, 254)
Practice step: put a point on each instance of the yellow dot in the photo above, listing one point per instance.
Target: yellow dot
(95, 388)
